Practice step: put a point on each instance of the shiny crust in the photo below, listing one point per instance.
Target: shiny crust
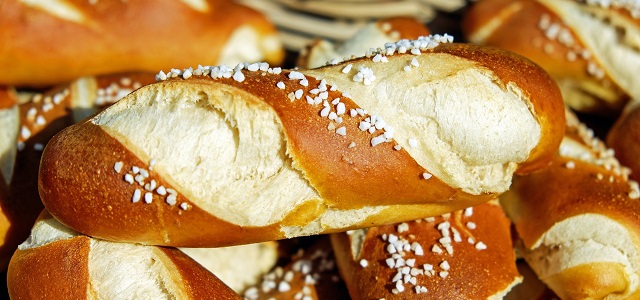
(385, 177)
(515, 25)
(624, 138)
(39, 48)
(67, 259)
(473, 273)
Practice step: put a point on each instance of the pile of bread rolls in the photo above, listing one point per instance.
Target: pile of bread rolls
(191, 161)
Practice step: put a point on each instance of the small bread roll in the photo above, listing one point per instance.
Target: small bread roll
(55, 263)
(464, 255)
(590, 47)
(579, 220)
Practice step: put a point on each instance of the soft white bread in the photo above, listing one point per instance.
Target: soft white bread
(24, 130)
(260, 154)
(464, 255)
(590, 47)
(579, 220)
(309, 272)
(57, 263)
(239, 267)
(624, 138)
(50, 42)
(321, 52)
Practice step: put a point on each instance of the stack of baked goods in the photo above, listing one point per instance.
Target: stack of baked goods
(398, 152)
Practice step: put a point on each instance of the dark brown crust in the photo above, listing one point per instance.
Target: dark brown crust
(567, 193)
(47, 272)
(474, 274)
(40, 49)
(196, 281)
(537, 85)
(624, 138)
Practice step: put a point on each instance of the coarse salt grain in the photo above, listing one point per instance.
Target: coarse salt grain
(118, 166)
(148, 198)
(136, 196)
(481, 246)
(364, 263)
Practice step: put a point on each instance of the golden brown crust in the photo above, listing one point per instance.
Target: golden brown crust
(624, 138)
(472, 273)
(46, 49)
(63, 267)
(542, 91)
(55, 269)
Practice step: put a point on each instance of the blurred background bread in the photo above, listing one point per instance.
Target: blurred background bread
(590, 47)
(52, 42)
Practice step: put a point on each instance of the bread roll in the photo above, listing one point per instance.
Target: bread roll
(464, 255)
(624, 138)
(58, 263)
(230, 157)
(321, 52)
(24, 130)
(590, 47)
(53, 42)
(579, 220)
